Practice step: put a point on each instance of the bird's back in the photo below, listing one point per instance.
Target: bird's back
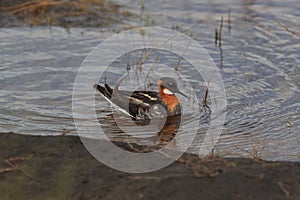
(137, 103)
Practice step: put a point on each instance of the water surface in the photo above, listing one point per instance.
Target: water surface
(258, 60)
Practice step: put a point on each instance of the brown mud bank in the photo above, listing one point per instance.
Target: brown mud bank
(33, 167)
(75, 13)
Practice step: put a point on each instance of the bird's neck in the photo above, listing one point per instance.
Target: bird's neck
(170, 101)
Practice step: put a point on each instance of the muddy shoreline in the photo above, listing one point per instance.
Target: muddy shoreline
(60, 167)
(77, 13)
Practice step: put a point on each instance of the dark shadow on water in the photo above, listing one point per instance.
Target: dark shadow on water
(140, 144)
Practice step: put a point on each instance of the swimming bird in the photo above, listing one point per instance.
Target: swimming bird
(145, 104)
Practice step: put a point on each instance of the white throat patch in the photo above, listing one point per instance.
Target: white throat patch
(167, 91)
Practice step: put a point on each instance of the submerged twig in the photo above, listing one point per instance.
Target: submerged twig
(286, 28)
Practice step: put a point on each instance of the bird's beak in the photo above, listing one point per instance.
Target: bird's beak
(182, 94)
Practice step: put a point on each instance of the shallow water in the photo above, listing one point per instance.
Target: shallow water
(258, 61)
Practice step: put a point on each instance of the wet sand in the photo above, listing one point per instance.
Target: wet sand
(60, 167)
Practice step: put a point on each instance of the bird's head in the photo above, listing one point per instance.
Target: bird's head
(168, 86)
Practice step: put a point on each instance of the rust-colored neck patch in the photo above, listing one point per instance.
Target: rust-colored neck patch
(170, 101)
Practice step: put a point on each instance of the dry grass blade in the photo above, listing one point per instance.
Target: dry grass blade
(15, 167)
(8, 169)
(205, 107)
(284, 190)
(216, 36)
(53, 12)
(180, 58)
(12, 159)
(165, 42)
(229, 20)
(33, 6)
(208, 166)
(220, 32)
(14, 7)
